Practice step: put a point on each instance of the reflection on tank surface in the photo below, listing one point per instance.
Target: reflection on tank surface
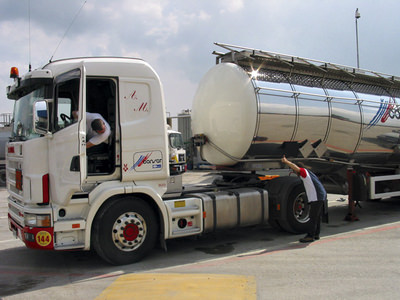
(255, 106)
(295, 106)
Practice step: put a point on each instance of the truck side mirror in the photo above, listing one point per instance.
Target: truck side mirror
(41, 117)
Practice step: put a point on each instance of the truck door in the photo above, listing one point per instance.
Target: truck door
(67, 147)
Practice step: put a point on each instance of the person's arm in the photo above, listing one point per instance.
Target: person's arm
(291, 165)
(89, 144)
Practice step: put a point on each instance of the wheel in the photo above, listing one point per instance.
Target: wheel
(297, 211)
(124, 231)
(3, 178)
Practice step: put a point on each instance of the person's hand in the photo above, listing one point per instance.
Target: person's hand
(284, 160)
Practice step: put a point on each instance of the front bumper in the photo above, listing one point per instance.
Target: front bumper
(33, 237)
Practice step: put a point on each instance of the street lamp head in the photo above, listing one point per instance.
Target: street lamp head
(357, 15)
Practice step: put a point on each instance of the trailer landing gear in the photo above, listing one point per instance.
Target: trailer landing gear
(351, 216)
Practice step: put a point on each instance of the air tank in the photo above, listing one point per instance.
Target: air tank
(246, 117)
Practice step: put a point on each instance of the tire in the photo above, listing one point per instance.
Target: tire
(3, 178)
(124, 231)
(297, 211)
(275, 224)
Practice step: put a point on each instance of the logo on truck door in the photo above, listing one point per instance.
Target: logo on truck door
(147, 161)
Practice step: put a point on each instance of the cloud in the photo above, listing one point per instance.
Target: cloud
(176, 37)
(231, 6)
(203, 16)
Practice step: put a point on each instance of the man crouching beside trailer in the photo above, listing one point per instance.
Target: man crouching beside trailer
(316, 196)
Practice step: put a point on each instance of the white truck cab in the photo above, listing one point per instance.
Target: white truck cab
(61, 194)
(177, 152)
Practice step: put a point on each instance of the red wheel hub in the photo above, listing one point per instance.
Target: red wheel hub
(131, 232)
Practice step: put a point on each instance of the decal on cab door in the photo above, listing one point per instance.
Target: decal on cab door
(147, 161)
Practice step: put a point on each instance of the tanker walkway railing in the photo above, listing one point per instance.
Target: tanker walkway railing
(245, 56)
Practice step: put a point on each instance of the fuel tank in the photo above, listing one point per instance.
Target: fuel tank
(250, 115)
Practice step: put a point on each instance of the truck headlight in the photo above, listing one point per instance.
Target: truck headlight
(32, 220)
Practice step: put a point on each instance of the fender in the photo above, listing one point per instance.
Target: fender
(107, 190)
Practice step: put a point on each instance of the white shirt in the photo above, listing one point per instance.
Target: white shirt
(308, 185)
(92, 136)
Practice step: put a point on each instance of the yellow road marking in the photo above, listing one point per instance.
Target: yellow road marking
(181, 286)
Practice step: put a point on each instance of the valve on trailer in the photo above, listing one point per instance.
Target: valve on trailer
(200, 140)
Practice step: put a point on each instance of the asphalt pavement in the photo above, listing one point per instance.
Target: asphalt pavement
(352, 260)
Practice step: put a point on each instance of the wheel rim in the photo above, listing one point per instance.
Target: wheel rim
(301, 210)
(129, 231)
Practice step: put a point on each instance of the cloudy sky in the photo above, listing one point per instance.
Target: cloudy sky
(177, 37)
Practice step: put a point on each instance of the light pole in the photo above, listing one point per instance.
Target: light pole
(357, 16)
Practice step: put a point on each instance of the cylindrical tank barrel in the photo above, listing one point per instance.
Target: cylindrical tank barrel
(246, 117)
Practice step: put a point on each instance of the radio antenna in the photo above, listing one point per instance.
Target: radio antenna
(29, 21)
(70, 25)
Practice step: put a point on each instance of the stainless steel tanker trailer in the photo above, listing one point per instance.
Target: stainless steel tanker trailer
(255, 106)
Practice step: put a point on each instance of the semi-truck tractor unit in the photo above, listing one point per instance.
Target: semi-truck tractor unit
(177, 152)
(250, 109)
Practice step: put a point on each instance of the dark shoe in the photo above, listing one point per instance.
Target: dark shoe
(316, 237)
(307, 239)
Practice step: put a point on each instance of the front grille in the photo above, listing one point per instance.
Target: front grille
(15, 209)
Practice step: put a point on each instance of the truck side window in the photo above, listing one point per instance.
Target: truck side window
(64, 113)
(66, 102)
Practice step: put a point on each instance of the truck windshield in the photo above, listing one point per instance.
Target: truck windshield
(176, 141)
(23, 115)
